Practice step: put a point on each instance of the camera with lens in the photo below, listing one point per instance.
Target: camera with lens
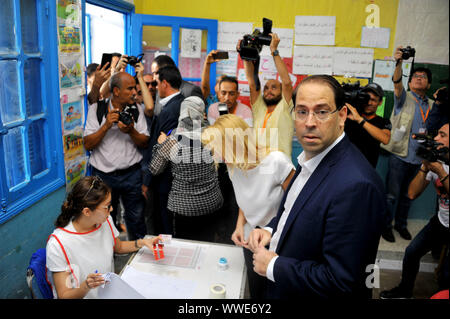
(251, 45)
(223, 108)
(428, 148)
(355, 96)
(129, 114)
(408, 52)
(133, 60)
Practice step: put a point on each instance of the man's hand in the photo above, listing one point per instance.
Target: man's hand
(435, 167)
(139, 68)
(274, 43)
(210, 59)
(261, 260)
(125, 128)
(120, 66)
(258, 238)
(111, 118)
(398, 54)
(101, 75)
(353, 115)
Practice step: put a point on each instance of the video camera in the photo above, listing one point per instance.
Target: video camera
(251, 44)
(133, 60)
(408, 52)
(355, 96)
(428, 148)
(129, 113)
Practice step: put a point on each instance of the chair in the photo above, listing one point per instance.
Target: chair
(37, 276)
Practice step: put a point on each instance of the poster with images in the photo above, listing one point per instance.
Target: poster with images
(69, 12)
(69, 39)
(73, 145)
(75, 169)
(72, 113)
(71, 71)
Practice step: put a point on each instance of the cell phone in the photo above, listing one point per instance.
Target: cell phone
(106, 57)
(221, 55)
(223, 108)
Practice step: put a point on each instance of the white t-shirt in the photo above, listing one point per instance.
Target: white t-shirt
(117, 150)
(258, 191)
(87, 253)
(443, 197)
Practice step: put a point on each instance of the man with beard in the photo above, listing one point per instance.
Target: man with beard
(272, 118)
(368, 130)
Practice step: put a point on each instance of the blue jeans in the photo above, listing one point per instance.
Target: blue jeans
(127, 187)
(433, 233)
(400, 174)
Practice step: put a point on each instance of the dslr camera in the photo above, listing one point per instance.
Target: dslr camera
(133, 60)
(355, 96)
(428, 148)
(408, 52)
(129, 114)
(251, 45)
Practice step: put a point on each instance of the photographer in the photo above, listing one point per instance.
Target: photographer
(367, 130)
(273, 108)
(228, 94)
(410, 114)
(115, 130)
(436, 231)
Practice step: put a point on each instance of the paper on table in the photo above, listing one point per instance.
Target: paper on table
(158, 287)
(116, 288)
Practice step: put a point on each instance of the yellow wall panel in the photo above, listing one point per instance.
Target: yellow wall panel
(350, 14)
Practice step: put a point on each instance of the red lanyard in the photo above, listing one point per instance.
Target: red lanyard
(424, 117)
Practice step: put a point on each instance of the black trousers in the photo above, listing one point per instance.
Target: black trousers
(194, 227)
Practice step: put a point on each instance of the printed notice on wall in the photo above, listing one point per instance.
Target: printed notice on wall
(353, 62)
(313, 60)
(229, 33)
(191, 43)
(285, 46)
(315, 30)
(375, 37)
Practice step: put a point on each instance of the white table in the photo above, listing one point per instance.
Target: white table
(206, 272)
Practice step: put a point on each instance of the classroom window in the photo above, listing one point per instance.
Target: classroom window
(31, 158)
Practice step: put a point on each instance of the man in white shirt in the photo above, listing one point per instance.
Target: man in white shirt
(114, 146)
(329, 223)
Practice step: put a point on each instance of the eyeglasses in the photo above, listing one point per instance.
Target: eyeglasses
(94, 180)
(321, 115)
(419, 76)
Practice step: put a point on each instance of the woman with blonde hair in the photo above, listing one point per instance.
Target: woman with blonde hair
(259, 175)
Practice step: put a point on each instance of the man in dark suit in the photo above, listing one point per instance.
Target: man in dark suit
(168, 80)
(326, 233)
(186, 88)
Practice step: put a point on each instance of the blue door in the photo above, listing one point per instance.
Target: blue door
(154, 34)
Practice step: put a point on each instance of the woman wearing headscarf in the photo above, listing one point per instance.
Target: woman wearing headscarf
(195, 194)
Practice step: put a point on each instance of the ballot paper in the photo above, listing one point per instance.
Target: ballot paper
(178, 255)
(116, 288)
(153, 286)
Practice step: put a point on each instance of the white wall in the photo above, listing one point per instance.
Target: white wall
(423, 24)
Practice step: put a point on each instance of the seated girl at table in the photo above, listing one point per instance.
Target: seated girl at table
(81, 248)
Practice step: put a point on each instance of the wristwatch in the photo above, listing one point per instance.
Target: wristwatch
(362, 122)
(275, 53)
